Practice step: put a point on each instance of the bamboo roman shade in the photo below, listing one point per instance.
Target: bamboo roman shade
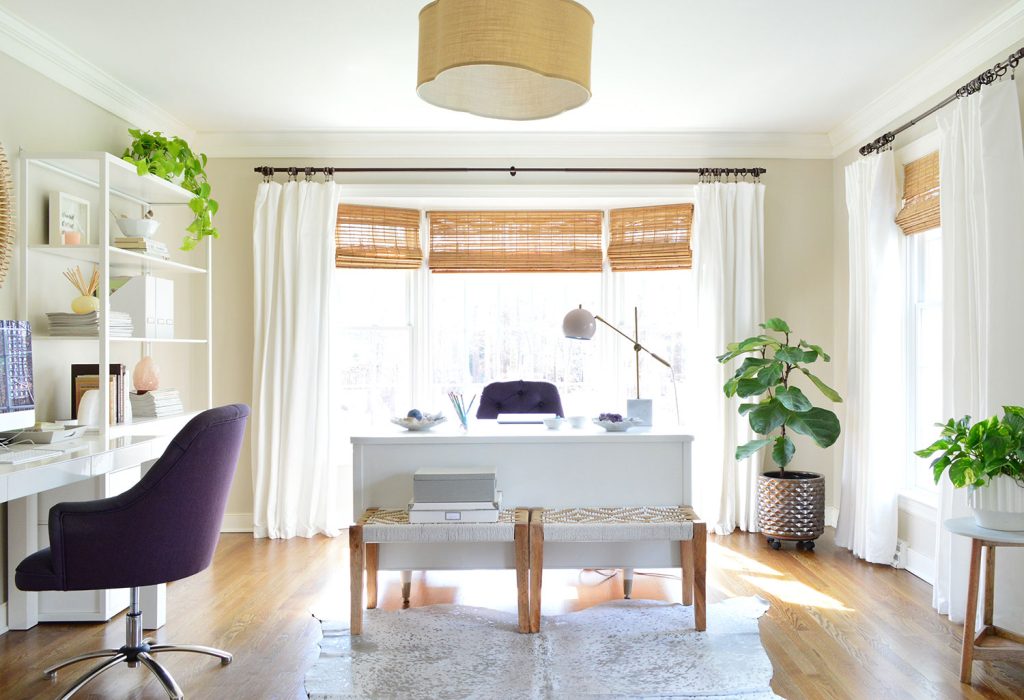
(515, 241)
(651, 238)
(377, 237)
(920, 211)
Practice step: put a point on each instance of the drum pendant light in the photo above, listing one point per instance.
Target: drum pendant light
(505, 59)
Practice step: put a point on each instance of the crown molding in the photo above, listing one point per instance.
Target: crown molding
(26, 44)
(1001, 32)
(406, 145)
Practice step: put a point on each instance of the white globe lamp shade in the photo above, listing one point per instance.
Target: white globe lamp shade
(579, 324)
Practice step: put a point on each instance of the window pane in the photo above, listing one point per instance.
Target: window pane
(371, 297)
(375, 375)
(500, 327)
(925, 347)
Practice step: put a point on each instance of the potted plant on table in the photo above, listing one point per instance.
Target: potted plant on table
(172, 159)
(988, 459)
(790, 504)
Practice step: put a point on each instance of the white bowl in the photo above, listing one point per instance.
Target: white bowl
(577, 421)
(426, 423)
(137, 228)
(617, 426)
(553, 423)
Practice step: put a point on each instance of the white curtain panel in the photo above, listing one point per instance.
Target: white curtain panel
(295, 484)
(729, 259)
(982, 199)
(875, 446)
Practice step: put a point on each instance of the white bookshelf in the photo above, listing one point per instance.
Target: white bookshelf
(106, 181)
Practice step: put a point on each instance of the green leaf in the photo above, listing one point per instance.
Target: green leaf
(746, 388)
(768, 416)
(794, 355)
(793, 399)
(816, 348)
(819, 424)
(744, 451)
(783, 451)
(751, 366)
(830, 393)
(730, 387)
(770, 374)
(746, 408)
(776, 324)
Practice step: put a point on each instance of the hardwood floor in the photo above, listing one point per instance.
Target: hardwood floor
(837, 628)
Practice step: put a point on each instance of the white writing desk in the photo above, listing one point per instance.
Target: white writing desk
(20, 485)
(536, 467)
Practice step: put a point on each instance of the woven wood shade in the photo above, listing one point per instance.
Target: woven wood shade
(515, 241)
(651, 238)
(377, 237)
(6, 216)
(920, 211)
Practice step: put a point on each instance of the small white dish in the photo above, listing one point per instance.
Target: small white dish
(617, 426)
(426, 423)
(137, 228)
(577, 421)
(553, 423)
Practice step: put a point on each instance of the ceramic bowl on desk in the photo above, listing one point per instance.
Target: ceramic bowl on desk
(427, 422)
(619, 426)
(553, 423)
(137, 228)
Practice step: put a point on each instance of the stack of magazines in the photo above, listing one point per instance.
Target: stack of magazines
(156, 403)
(89, 324)
(146, 246)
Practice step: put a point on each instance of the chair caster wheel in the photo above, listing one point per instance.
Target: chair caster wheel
(775, 544)
(809, 545)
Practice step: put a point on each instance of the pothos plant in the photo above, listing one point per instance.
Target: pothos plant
(766, 373)
(171, 157)
(976, 454)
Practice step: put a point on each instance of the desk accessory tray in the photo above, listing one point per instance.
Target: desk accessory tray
(46, 437)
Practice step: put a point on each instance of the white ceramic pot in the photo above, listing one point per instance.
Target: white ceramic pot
(999, 505)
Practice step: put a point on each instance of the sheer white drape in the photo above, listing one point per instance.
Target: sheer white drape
(295, 483)
(875, 446)
(729, 259)
(982, 199)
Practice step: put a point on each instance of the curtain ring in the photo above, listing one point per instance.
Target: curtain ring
(292, 174)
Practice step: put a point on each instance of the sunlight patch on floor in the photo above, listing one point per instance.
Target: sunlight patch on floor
(731, 560)
(790, 591)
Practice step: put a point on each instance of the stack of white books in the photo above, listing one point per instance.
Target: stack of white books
(156, 403)
(453, 495)
(146, 246)
(89, 324)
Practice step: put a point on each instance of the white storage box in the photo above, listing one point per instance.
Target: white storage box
(149, 301)
(454, 485)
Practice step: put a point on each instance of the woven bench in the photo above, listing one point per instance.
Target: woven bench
(622, 524)
(379, 526)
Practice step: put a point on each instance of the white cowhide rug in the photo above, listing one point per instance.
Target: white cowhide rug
(619, 649)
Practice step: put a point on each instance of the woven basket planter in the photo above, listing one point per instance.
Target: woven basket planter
(792, 508)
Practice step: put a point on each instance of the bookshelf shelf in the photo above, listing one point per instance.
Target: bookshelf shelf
(120, 260)
(123, 181)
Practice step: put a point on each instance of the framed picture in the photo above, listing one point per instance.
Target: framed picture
(69, 219)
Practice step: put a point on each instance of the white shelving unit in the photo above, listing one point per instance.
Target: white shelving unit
(105, 180)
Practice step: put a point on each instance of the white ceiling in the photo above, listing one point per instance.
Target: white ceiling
(783, 66)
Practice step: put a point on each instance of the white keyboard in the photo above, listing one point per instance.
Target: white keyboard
(30, 455)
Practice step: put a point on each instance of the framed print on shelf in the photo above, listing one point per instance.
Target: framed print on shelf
(69, 219)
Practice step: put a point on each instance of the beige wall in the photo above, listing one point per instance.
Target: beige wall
(39, 115)
(798, 221)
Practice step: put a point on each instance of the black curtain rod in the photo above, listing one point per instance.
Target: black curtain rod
(268, 171)
(987, 78)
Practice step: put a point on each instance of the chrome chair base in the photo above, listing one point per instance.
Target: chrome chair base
(135, 651)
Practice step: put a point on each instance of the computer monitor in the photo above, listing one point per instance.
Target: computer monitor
(17, 394)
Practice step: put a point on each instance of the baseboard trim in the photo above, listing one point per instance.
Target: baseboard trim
(921, 566)
(831, 516)
(236, 522)
(3, 618)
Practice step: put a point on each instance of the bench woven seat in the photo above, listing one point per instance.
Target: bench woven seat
(379, 526)
(631, 524)
(392, 525)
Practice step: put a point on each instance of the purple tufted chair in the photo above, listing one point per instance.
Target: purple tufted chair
(162, 529)
(519, 397)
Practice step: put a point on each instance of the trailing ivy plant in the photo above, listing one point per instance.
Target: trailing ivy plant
(782, 408)
(976, 454)
(171, 157)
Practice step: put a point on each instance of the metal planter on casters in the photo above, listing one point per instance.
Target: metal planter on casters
(791, 506)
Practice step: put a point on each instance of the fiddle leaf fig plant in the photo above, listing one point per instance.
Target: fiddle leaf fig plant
(778, 408)
(171, 158)
(973, 455)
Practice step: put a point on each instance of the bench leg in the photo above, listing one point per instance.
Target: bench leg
(355, 558)
(700, 553)
(406, 587)
(686, 561)
(372, 558)
(536, 572)
(522, 546)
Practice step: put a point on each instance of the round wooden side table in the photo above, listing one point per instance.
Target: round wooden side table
(991, 642)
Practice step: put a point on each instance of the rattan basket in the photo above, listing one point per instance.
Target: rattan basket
(792, 508)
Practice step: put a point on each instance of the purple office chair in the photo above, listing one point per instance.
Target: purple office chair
(519, 397)
(162, 529)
